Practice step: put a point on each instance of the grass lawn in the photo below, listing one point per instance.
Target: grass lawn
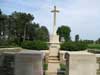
(94, 46)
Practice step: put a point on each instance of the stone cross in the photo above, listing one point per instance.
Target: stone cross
(55, 11)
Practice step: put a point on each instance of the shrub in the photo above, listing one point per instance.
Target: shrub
(73, 46)
(36, 45)
(7, 43)
(62, 70)
(27, 44)
(63, 67)
(81, 46)
(45, 66)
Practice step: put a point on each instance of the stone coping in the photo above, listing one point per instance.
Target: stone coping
(97, 55)
(79, 52)
(30, 52)
(54, 42)
(19, 51)
(96, 51)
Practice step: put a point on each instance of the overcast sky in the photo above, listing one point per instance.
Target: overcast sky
(82, 16)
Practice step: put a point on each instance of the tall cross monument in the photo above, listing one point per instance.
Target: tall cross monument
(55, 11)
(54, 38)
(53, 58)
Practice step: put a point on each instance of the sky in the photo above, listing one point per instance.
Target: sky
(82, 16)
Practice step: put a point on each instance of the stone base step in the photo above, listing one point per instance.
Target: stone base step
(50, 54)
(53, 54)
(55, 73)
(53, 58)
(53, 61)
(53, 67)
(51, 73)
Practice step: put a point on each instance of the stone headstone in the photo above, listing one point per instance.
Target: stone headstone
(80, 63)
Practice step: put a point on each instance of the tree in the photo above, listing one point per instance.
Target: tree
(22, 20)
(76, 38)
(88, 41)
(31, 31)
(18, 27)
(98, 41)
(43, 34)
(3, 26)
(64, 31)
(0, 12)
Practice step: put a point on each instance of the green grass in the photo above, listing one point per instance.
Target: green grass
(63, 67)
(94, 46)
(45, 66)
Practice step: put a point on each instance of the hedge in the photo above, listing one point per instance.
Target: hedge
(34, 45)
(73, 46)
(7, 43)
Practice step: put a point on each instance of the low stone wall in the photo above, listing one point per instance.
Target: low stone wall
(97, 53)
(80, 63)
(98, 63)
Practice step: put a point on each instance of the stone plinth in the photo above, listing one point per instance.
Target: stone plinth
(53, 59)
(54, 39)
(80, 63)
(53, 68)
(54, 45)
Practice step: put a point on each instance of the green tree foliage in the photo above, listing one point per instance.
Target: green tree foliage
(64, 31)
(98, 41)
(35, 45)
(43, 34)
(3, 25)
(19, 27)
(87, 41)
(76, 38)
(0, 12)
(73, 46)
(21, 21)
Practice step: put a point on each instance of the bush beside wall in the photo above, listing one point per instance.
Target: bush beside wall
(34, 45)
(73, 46)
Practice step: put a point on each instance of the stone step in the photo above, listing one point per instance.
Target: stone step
(51, 73)
(53, 61)
(53, 58)
(55, 67)
(53, 54)
(55, 73)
